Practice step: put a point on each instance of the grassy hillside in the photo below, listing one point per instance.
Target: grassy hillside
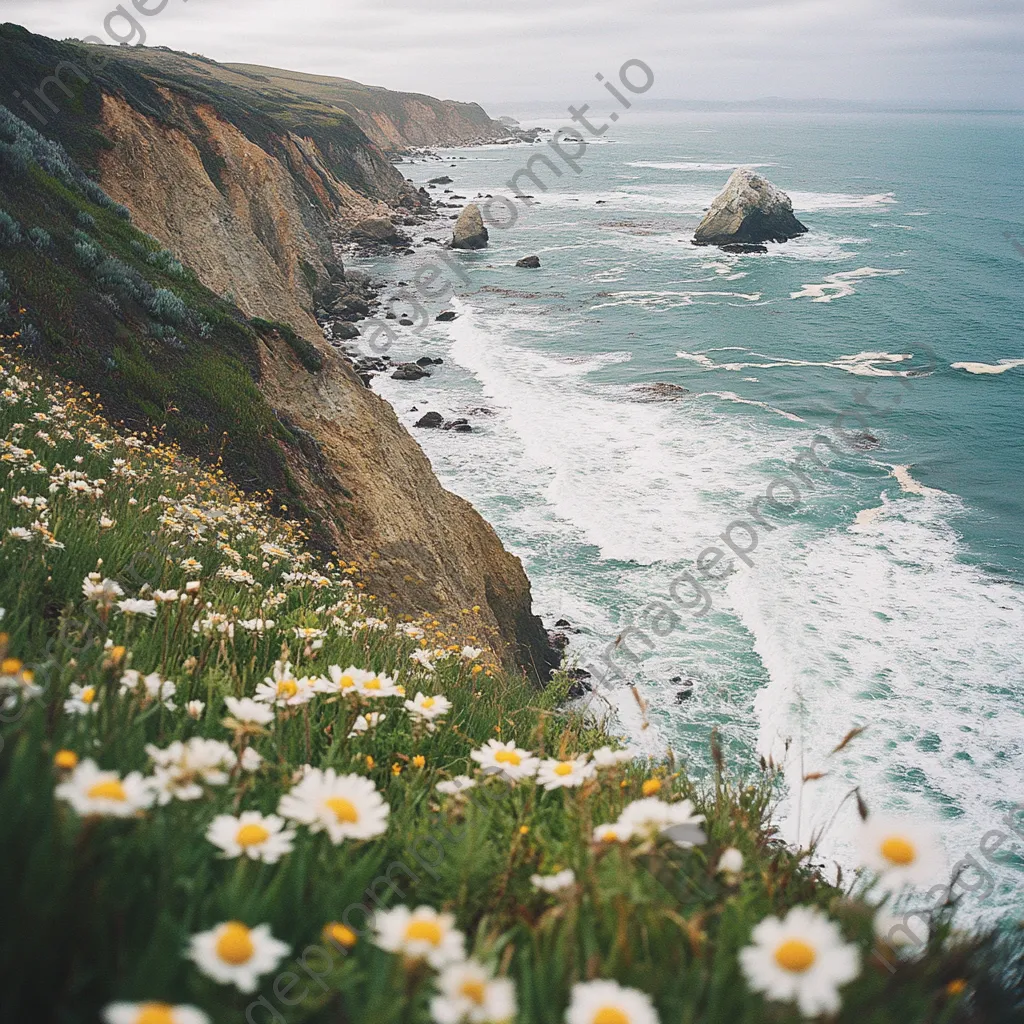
(105, 305)
(139, 75)
(224, 770)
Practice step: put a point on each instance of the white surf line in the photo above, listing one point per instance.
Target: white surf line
(838, 286)
(731, 396)
(909, 484)
(862, 364)
(1001, 366)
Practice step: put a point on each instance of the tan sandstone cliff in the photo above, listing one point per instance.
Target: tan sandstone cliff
(255, 232)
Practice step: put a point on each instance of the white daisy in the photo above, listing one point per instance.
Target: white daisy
(183, 768)
(250, 760)
(471, 653)
(418, 934)
(83, 700)
(283, 689)
(252, 835)
(91, 791)
(137, 606)
(150, 687)
(428, 708)
(608, 1002)
(103, 591)
(609, 834)
(554, 883)
(801, 958)
(234, 954)
(344, 806)
(730, 862)
(195, 709)
(379, 685)
(506, 759)
(652, 817)
(469, 995)
(364, 723)
(152, 1013)
(423, 659)
(605, 757)
(15, 677)
(247, 711)
(556, 774)
(451, 787)
(338, 680)
(900, 852)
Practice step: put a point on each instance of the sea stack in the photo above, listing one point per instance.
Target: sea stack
(470, 232)
(749, 211)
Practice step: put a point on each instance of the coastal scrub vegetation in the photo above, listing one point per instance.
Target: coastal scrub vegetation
(234, 786)
(105, 305)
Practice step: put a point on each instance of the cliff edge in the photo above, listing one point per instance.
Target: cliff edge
(248, 204)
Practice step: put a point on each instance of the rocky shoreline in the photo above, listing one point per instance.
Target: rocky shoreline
(357, 297)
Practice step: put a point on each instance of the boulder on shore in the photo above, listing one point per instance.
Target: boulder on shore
(750, 210)
(379, 229)
(470, 232)
(430, 420)
(530, 262)
(409, 371)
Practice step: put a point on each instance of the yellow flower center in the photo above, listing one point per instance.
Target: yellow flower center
(65, 759)
(340, 934)
(610, 837)
(372, 684)
(287, 688)
(109, 790)
(346, 683)
(474, 991)
(898, 850)
(651, 786)
(429, 702)
(507, 757)
(344, 810)
(235, 944)
(10, 667)
(424, 931)
(795, 955)
(155, 1013)
(610, 1015)
(251, 835)
(88, 695)
(563, 768)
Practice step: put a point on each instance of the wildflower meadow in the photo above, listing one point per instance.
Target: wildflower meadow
(235, 786)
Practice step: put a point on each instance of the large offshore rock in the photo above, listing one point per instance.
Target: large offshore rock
(748, 211)
(470, 232)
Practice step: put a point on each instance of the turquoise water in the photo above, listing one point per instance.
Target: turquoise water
(890, 594)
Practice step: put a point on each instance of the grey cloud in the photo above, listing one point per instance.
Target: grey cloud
(941, 51)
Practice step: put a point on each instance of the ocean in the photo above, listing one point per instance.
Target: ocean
(888, 594)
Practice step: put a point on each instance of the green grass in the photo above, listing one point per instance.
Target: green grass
(105, 907)
(196, 382)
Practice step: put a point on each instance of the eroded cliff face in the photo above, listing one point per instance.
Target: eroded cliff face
(261, 231)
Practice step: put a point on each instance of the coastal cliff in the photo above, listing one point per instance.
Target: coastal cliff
(248, 202)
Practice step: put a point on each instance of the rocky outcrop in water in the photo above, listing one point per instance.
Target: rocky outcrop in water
(749, 211)
(470, 232)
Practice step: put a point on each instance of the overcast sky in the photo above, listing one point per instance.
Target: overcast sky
(945, 52)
